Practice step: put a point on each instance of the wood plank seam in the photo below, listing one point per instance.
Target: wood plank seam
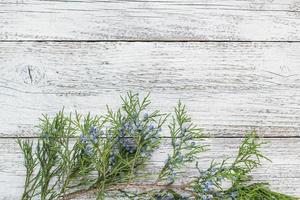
(155, 41)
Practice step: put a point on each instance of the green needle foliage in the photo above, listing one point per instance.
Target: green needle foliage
(106, 155)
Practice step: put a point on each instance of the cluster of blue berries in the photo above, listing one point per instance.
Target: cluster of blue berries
(112, 159)
(178, 158)
(184, 129)
(124, 138)
(172, 173)
(129, 131)
(128, 144)
(90, 139)
(208, 186)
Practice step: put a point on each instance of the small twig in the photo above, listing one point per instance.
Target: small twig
(145, 187)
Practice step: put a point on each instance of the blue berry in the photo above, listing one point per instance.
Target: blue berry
(151, 127)
(184, 128)
(234, 194)
(208, 185)
(95, 139)
(145, 116)
(207, 197)
(112, 159)
(93, 130)
(83, 139)
(88, 150)
(180, 157)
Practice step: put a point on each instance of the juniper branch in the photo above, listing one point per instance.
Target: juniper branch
(76, 156)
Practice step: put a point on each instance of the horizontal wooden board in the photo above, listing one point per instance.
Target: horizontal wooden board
(229, 88)
(283, 173)
(150, 20)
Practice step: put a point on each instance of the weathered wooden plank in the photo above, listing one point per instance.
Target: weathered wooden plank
(150, 20)
(229, 88)
(283, 173)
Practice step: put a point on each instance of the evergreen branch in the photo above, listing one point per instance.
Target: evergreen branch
(105, 154)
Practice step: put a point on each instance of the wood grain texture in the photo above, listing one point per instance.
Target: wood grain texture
(269, 20)
(283, 173)
(229, 88)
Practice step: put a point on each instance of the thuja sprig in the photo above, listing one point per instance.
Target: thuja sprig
(30, 163)
(48, 166)
(185, 149)
(106, 154)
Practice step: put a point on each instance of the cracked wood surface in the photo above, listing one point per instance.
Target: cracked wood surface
(229, 88)
(234, 20)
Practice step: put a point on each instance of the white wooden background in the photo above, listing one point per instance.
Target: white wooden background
(235, 63)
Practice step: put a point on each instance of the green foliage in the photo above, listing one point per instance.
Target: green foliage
(106, 155)
(184, 135)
